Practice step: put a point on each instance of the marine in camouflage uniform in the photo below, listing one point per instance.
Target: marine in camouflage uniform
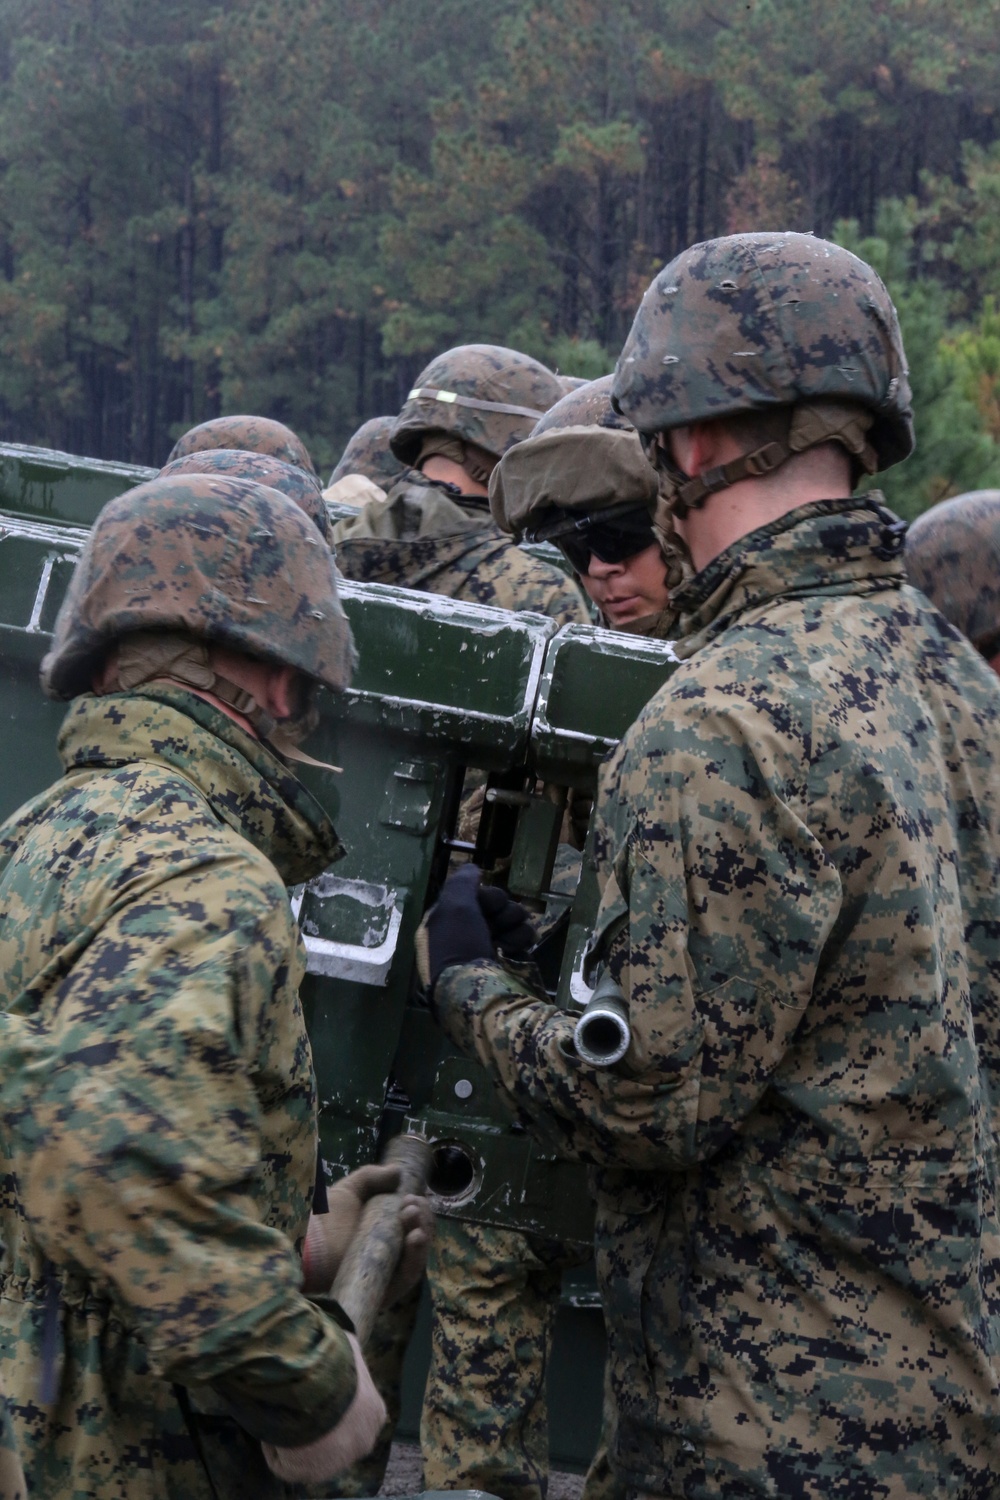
(252, 434)
(469, 405)
(159, 1140)
(420, 538)
(796, 1159)
(484, 1422)
(582, 481)
(953, 554)
(367, 467)
(369, 453)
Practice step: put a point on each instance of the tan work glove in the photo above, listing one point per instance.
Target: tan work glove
(352, 1439)
(417, 1219)
(329, 1234)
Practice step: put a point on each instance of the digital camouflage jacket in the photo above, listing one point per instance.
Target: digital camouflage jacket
(159, 1143)
(420, 539)
(797, 1235)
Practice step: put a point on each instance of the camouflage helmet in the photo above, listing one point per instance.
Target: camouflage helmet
(252, 434)
(571, 382)
(263, 468)
(764, 322)
(481, 394)
(953, 555)
(221, 559)
(582, 457)
(586, 404)
(368, 453)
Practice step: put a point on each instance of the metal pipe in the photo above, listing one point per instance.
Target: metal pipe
(602, 1034)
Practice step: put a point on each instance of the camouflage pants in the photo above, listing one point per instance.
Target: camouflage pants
(484, 1424)
(601, 1482)
(12, 1484)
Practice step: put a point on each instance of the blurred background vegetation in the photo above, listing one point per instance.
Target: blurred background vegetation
(288, 207)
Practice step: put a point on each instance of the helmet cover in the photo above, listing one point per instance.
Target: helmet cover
(483, 394)
(221, 559)
(756, 321)
(253, 434)
(953, 555)
(302, 486)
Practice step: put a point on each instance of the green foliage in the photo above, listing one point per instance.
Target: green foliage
(288, 206)
(960, 225)
(583, 357)
(972, 356)
(955, 450)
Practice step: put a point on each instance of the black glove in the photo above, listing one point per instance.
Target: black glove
(469, 922)
(510, 925)
(455, 930)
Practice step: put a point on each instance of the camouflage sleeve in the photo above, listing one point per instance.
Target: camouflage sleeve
(514, 579)
(180, 1080)
(715, 912)
(567, 606)
(561, 601)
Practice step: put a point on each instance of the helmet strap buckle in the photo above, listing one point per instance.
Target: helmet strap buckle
(764, 460)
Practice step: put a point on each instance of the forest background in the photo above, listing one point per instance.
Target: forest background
(288, 207)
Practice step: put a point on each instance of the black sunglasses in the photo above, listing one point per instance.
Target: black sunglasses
(610, 535)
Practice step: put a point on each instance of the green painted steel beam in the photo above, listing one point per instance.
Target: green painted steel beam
(61, 487)
(449, 672)
(595, 684)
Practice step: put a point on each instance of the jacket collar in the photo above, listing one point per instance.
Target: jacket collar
(850, 546)
(248, 787)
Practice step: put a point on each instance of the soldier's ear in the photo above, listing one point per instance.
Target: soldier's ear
(679, 443)
(282, 695)
(702, 445)
(104, 678)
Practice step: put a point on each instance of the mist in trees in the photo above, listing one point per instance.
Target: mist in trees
(289, 207)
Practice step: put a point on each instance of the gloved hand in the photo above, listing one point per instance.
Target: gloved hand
(353, 1438)
(510, 925)
(469, 921)
(329, 1234)
(417, 1219)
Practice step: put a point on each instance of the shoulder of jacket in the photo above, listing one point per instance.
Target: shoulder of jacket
(179, 834)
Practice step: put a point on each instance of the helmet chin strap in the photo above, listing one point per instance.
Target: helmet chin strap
(476, 462)
(797, 429)
(676, 552)
(147, 655)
